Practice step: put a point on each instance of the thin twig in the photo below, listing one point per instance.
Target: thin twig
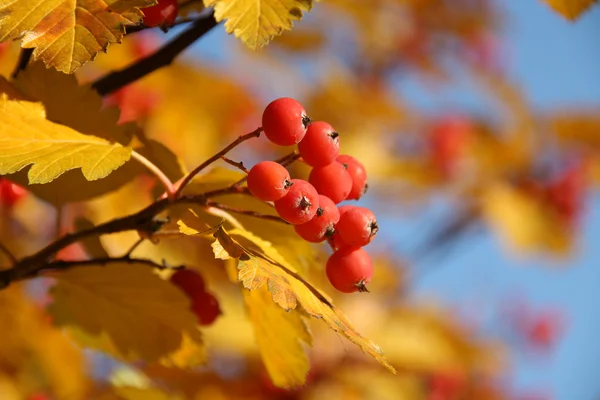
(162, 58)
(133, 247)
(22, 62)
(166, 182)
(141, 27)
(239, 165)
(198, 169)
(245, 212)
(288, 158)
(8, 254)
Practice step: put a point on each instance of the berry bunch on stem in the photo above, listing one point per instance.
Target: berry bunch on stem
(311, 206)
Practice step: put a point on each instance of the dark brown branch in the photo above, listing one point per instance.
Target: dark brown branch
(8, 254)
(245, 212)
(239, 165)
(162, 58)
(22, 62)
(141, 27)
(288, 158)
(198, 169)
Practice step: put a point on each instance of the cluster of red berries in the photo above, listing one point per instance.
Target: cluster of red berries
(204, 304)
(311, 206)
(161, 14)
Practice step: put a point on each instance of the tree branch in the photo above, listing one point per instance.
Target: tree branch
(157, 172)
(163, 57)
(8, 254)
(198, 169)
(238, 164)
(22, 62)
(245, 212)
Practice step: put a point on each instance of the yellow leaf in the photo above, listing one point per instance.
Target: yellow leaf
(142, 315)
(264, 265)
(68, 103)
(27, 137)
(570, 9)
(256, 22)
(67, 34)
(279, 335)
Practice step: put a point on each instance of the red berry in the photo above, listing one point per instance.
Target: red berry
(161, 14)
(320, 146)
(269, 181)
(358, 173)
(300, 204)
(206, 307)
(448, 139)
(332, 181)
(350, 269)
(284, 121)
(322, 224)
(357, 226)
(190, 281)
(10, 193)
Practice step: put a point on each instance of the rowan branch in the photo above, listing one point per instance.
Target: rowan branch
(22, 62)
(162, 58)
(157, 172)
(8, 254)
(245, 212)
(238, 164)
(198, 169)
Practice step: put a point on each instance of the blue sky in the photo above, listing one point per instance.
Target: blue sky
(557, 64)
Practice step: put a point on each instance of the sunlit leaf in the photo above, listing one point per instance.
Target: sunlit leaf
(27, 137)
(256, 22)
(67, 34)
(571, 9)
(141, 315)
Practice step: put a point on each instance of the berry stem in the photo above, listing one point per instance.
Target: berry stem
(239, 165)
(245, 212)
(288, 159)
(254, 134)
(160, 175)
(8, 254)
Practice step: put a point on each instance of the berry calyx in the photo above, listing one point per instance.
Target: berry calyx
(322, 225)
(350, 269)
(332, 180)
(162, 14)
(188, 280)
(284, 121)
(300, 204)
(269, 181)
(358, 173)
(357, 226)
(321, 144)
(206, 307)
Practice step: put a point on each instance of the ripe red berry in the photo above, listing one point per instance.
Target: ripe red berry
(332, 181)
(161, 14)
(350, 269)
(269, 181)
(357, 226)
(206, 307)
(358, 173)
(190, 281)
(322, 224)
(300, 204)
(10, 193)
(321, 145)
(284, 121)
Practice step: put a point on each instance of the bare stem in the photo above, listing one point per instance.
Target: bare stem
(198, 169)
(245, 212)
(8, 254)
(239, 165)
(166, 182)
(22, 62)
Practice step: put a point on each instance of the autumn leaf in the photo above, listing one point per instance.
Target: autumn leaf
(260, 265)
(571, 9)
(27, 137)
(67, 34)
(140, 314)
(256, 22)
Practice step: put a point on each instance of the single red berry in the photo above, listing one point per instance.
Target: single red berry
(300, 204)
(320, 146)
(448, 140)
(358, 173)
(333, 181)
(284, 121)
(161, 14)
(349, 269)
(206, 307)
(357, 226)
(10, 193)
(269, 181)
(190, 281)
(322, 224)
